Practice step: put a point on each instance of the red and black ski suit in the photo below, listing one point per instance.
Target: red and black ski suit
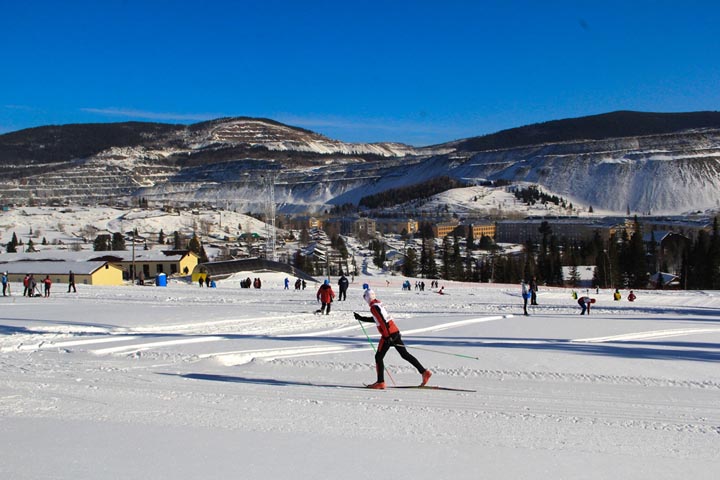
(325, 295)
(389, 337)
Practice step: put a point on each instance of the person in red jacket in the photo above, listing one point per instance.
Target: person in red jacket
(48, 283)
(325, 295)
(389, 337)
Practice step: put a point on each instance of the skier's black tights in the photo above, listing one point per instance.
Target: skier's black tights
(394, 341)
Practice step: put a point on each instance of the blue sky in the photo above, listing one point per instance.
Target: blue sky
(419, 72)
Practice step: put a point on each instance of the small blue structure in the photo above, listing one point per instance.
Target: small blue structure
(161, 280)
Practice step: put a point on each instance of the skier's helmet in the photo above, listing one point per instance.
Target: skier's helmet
(326, 282)
(369, 296)
(365, 286)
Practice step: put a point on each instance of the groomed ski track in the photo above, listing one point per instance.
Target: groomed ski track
(637, 382)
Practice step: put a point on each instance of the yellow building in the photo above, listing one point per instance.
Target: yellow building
(86, 273)
(444, 229)
(483, 230)
(149, 263)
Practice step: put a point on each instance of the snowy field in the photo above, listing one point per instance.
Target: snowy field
(189, 383)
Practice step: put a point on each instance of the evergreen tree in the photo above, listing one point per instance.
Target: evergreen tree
(446, 258)
(118, 241)
(432, 265)
(471, 273)
(635, 262)
(424, 259)
(554, 261)
(601, 276)
(544, 266)
(177, 241)
(470, 240)
(485, 243)
(195, 246)
(12, 244)
(410, 264)
(341, 247)
(529, 268)
(457, 260)
(161, 237)
(102, 243)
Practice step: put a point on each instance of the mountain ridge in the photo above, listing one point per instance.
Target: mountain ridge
(644, 161)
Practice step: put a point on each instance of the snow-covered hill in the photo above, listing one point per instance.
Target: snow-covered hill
(671, 170)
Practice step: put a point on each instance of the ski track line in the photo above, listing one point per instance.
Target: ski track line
(242, 357)
(680, 332)
(191, 326)
(49, 344)
(75, 343)
(146, 346)
(245, 356)
(460, 323)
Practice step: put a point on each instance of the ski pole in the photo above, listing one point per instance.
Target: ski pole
(373, 347)
(438, 351)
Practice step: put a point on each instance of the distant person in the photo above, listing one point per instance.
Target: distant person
(389, 337)
(201, 281)
(304, 284)
(71, 282)
(325, 296)
(297, 284)
(533, 291)
(442, 290)
(631, 296)
(208, 281)
(32, 286)
(525, 292)
(616, 295)
(47, 283)
(287, 283)
(585, 303)
(5, 283)
(343, 285)
(26, 285)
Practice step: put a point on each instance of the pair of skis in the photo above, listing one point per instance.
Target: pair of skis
(429, 387)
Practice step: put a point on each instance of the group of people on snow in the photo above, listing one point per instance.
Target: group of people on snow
(31, 287)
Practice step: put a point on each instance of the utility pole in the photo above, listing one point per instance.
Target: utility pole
(133, 259)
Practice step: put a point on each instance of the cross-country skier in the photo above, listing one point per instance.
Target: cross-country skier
(389, 337)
